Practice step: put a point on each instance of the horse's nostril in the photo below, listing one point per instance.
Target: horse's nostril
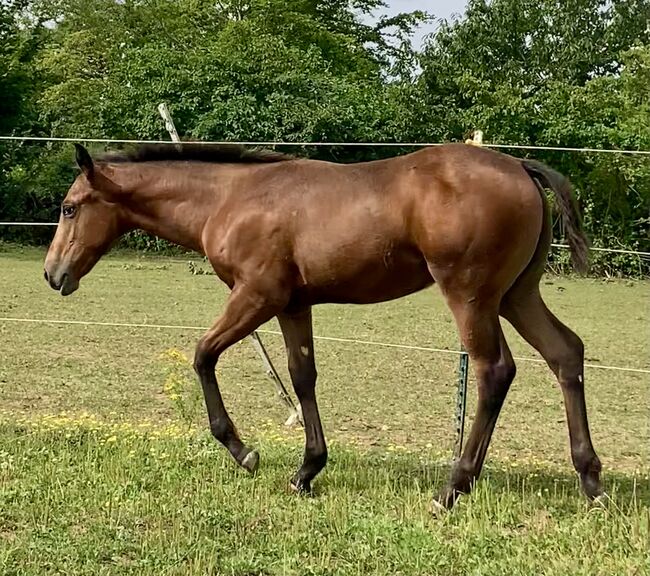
(50, 280)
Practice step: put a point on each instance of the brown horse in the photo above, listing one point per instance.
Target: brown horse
(286, 233)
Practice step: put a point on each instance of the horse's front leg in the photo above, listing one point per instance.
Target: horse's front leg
(297, 332)
(246, 309)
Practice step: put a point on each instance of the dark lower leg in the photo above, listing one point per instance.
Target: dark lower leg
(221, 425)
(244, 312)
(315, 456)
(563, 350)
(494, 368)
(584, 457)
(494, 382)
(297, 332)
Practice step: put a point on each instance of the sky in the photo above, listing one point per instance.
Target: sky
(439, 9)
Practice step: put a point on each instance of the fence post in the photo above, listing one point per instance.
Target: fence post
(477, 138)
(461, 401)
(295, 415)
(169, 122)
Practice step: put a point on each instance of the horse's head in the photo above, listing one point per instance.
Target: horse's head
(91, 220)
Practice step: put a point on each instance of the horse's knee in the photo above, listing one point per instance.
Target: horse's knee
(304, 379)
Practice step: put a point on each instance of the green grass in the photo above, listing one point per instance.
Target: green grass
(75, 501)
(92, 495)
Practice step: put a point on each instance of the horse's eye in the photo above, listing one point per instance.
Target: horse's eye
(68, 210)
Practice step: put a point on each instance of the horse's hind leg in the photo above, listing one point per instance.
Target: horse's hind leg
(563, 351)
(492, 362)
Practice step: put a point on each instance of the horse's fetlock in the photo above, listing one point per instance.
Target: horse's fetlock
(221, 429)
(462, 475)
(316, 458)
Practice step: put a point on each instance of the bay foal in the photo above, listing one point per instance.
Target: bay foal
(286, 233)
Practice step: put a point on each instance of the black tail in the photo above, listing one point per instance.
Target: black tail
(573, 229)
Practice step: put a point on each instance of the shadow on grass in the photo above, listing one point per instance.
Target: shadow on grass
(357, 471)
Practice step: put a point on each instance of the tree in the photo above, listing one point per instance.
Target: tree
(263, 69)
(551, 72)
(260, 70)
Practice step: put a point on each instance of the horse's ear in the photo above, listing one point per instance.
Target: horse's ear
(99, 181)
(84, 161)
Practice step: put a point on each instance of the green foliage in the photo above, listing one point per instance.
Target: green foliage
(545, 73)
(180, 387)
(19, 43)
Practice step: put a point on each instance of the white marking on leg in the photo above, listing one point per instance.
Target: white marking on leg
(304, 350)
(251, 461)
(436, 509)
(580, 378)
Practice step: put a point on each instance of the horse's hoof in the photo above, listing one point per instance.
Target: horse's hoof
(300, 486)
(444, 501)
(251, 461)
(437, 510)
(601, 501)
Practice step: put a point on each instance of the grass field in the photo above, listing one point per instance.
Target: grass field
(106, 467)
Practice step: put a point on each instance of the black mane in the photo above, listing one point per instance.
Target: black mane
(195, 153)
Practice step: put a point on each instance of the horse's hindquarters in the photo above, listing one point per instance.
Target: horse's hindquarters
(479, 232)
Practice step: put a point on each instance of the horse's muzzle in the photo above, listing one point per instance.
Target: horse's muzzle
(61, 281)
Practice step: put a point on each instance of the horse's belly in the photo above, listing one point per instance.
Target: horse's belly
(390, 275)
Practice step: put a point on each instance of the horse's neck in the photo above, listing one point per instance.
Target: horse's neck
(172, 207)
